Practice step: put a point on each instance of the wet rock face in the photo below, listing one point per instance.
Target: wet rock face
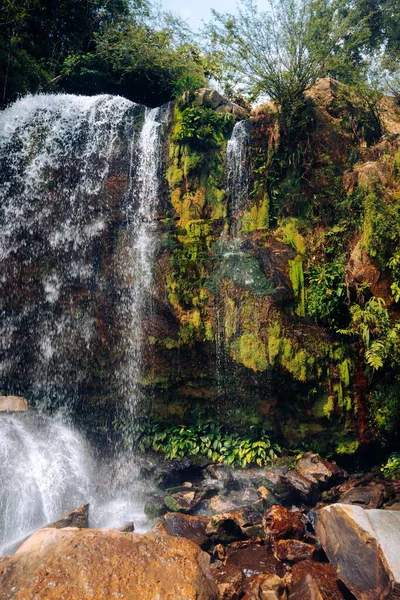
(87, 564)
(363, 546)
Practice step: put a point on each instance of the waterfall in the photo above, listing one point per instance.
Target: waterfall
(47, 469)
(79, 189)
(237, 169)
(138, 267)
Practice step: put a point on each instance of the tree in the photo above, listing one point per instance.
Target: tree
(282, 51)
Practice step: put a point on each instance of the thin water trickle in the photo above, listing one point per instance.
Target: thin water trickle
(237, 168)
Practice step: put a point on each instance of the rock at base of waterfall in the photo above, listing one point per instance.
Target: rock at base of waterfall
(13, 404)
(312, 580)
(82, 564)
(265, 587)
(191, 527)
(363, 546)
(281, 523)
(76, 518)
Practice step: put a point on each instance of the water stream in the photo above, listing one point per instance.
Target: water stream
(79, 187)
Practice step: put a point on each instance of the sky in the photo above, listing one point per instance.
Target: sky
(194, 11)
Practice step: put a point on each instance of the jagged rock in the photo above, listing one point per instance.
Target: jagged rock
(280, 487)
(183, 498)
(128, 528)
(155, 506)
(282, 523)
(306, 589)
(212, 99)
(307, 488)
(316, 468)
(265, 587)
(13, 404)
(229, 579)
(83, 564)
(76, 518)
(365, 174)
(369, 496)
(188, 526)
(253, 559)
(294, 550)
(363, 546)
(229, 527)
(324, 577)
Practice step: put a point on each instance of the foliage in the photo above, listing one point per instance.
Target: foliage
(282, 51)
(394, 266)
(391, 469)
(384, 403)
(202, 128)
(95, 46)
(371, 325)
(326, 293)
(208, 440)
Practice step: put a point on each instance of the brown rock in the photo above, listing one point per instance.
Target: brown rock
(363, 546)
(77, 518)
(229, 579)
(88, 564)
(13, 404)
(306, 589)
(324, 577)
(231, 526)
(293, 550)
(254, 559)
(265, 587)
(128, 528)
(314, 467)
(369, 496)
(307, 487)
(190, 527)
(282, 523)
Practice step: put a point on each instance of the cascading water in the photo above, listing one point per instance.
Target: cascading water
(79, 181)
(142, 227)
(237, 169)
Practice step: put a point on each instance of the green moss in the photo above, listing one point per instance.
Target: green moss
(324, 407)
(250, 351)
(288, 233)
(296, 274)
(256, 217)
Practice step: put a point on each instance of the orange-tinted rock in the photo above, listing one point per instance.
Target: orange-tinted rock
(282, 523)
(187, 526)
(325, 579)
(89, 564)
(293, 550)
(313, 466)
(265, 587)
(13, 404)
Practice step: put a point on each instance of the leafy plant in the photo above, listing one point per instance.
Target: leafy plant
(391, 469)
(202, 128)
(210, 441)
(326, 292)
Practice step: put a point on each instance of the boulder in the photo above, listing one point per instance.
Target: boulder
(187, 526)
(212, 99)
(314, 467)
(282, 523)
(307, 487)
(76, 518)
(363, 546)
(293, 550)
(13, 404)
(224, 528)
(253, 559)
(369, 496)
(229, 579)
(83, 564)
(265, 587)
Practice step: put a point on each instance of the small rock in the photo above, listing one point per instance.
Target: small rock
(306, 589)
(253, 559)
(128, 528)
(188, 526)
(229, 579)
(281, 523)
(294, 550)
(13, 404)
(324, 577)
(76, 518)
(224, 529)
(314, 467)
(265, 587)
(307, 488)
